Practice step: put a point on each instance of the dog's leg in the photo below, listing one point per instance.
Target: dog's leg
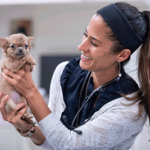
(29, 64)
(28, 67)
(31, 61)
(10, 106)
(27, 117)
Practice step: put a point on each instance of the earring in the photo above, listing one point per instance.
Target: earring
(119, 70)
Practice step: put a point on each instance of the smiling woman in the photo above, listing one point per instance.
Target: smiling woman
(89, 106)
(96, 55)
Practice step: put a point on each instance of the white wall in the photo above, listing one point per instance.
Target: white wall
(58, 29)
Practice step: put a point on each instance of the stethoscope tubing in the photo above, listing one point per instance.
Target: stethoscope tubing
(100, 90)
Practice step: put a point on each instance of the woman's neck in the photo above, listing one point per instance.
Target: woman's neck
(100, 78)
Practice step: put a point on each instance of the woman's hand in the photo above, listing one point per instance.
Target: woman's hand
(15, 116)
(22, 81)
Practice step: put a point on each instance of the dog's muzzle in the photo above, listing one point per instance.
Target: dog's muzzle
(20, 52)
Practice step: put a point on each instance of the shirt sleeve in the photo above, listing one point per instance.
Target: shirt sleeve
(104, 132)
(110, 128)
(56, 104)
(54, 97)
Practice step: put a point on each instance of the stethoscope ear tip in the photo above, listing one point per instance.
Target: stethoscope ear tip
(64, 118)
(119, 75)
(78, 131)
(70, 127)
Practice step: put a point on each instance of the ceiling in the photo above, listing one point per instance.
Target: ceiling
(16, 2)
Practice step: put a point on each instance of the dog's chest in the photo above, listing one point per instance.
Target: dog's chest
(15, 96)
(14, 64)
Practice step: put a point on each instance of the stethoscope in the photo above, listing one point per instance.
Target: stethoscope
(98, 90)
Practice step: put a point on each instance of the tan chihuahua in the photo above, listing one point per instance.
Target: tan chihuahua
(16, 49)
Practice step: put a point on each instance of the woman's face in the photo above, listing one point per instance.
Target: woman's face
(95, 47)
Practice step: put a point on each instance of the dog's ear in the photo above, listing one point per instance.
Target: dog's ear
(3, 43)
(30, 39)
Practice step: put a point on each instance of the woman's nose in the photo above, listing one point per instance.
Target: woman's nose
(84, 46)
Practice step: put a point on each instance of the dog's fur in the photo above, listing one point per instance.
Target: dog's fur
(16, 49)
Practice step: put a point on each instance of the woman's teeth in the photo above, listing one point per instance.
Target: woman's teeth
(86, 57)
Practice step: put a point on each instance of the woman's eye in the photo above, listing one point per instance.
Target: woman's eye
(85, 34)
(12, 46)
(94, 44)
(26, 46)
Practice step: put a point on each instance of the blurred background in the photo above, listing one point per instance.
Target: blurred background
(57, 26)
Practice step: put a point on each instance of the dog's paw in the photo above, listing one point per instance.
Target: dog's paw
(31, 69)
(27, 67)
(33, 63)
(28, 118)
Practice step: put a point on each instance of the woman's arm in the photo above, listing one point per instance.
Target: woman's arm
(115, 126)
(23, 83)
(37, 102)
(38, 137)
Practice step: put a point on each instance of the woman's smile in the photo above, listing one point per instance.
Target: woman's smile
(85, 58)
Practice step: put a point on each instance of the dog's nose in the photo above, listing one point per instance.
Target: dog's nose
(20, 50)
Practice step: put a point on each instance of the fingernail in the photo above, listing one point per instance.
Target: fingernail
(3, 74)
(6, 96)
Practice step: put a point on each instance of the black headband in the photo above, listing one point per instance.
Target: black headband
(121, 27)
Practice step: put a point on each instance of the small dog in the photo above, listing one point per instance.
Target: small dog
(16, 49)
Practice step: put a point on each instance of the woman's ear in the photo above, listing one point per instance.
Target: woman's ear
(123, 55)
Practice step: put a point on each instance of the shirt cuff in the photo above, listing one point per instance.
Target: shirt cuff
(46, 145)
(47, 123)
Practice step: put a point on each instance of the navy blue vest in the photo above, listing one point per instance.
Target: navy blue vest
(71, 82)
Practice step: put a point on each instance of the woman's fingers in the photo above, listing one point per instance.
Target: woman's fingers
(7, 78)
(1, 95)
(18, 122)
(2, 106)
(17, 75)
(9, 73)
(3, 102)
(19, 115)
(12, 78)
(13, 114)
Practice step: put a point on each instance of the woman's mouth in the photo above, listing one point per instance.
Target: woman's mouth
(85, 58)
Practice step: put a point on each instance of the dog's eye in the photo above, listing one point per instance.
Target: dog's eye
(26, 46)
(12, 46)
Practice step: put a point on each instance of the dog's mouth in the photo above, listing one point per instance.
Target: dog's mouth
(19, 54)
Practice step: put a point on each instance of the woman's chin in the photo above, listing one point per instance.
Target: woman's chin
(84, 66)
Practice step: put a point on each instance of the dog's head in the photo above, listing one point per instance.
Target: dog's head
(16, 45)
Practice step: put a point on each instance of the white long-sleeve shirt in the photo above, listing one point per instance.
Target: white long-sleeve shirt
(114, 127)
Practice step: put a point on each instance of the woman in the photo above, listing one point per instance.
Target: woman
(88, 106)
